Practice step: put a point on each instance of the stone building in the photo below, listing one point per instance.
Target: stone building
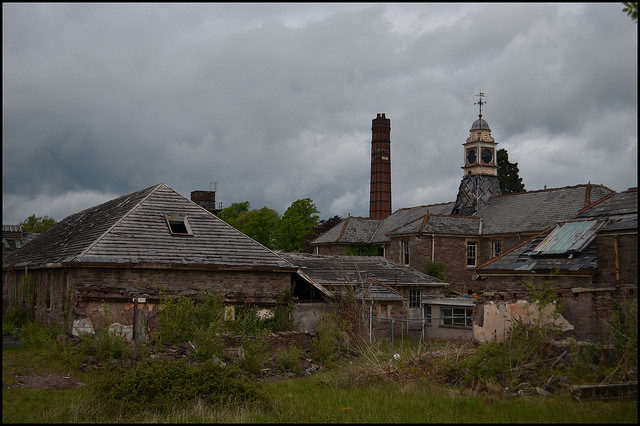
(107, 265)
(482, 224)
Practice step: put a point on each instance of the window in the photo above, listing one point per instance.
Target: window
(405, 252)
(414, 298)
(497, 248)
(472, 253)
(178, 225)
(427, 314)
(456, 317)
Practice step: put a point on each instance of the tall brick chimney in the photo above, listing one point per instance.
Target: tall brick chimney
(380, 193)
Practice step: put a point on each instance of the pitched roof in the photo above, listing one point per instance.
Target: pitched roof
(535, 210)
(332, 270)
(523, 258)
(373, 231)
(613, 204)
(440, 224)
(133, 229)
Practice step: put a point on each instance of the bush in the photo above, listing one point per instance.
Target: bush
(161, 384)
(288, 359)
(176, 319)
(34, 334)
(253, 351)
(15, 319)
(329, 344)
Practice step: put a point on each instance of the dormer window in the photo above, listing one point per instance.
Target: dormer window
(178, 225)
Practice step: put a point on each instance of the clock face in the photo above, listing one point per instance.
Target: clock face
(487, 156)
(471, 156)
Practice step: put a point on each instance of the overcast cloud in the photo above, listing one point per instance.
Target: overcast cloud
(274, 102)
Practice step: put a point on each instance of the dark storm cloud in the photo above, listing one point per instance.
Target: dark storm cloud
(274, 102)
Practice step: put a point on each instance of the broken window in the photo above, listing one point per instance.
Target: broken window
(472, 253)
(405, 252)
(414, 298)
(178, 225)
(497, 248)
(456, 317)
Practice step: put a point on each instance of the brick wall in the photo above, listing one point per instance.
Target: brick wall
(627, 259)
(452, 250)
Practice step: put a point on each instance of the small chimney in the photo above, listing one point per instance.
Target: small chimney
(205, 199)
(380, 190)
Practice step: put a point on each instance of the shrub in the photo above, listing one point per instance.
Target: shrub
(253, 351)
(288, 359)
(328, 346)
(34, 334)
(176, 319)
(161, 384)
(15, 319)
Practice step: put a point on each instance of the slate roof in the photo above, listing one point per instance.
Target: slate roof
(333, 269)
(132, 229)
(570, 246)
(441, 224)
(373, 231)
(521, 258)
(620, 203)
(536, 210)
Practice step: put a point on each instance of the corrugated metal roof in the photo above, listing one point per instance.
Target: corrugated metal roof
(570, 237)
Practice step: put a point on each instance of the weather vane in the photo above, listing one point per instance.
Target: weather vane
(480, 95)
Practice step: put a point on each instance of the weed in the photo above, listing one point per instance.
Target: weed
(328, 346)
(161, 384)
(288, 359)
(253, 355)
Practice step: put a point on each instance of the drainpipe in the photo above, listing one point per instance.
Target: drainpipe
(433, 248)
(615, 253)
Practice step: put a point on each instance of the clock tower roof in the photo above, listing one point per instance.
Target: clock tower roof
(479, 124)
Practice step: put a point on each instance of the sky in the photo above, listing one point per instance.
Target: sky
(273, 101)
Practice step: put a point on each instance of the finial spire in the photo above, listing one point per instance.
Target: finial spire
(480, 103)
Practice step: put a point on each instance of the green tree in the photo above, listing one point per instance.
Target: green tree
(231, 213)
(631, 8)
(260, 225)
(37, 224)
(510, 180)
(297, 224)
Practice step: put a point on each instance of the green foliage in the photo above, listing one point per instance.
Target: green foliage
(253, 351)
(508, 174)
(15, 319)
(297, 224)
(544, 293)
(259, 225)
(436, 270)
(27, 287)
(361, 249)
(37, 224)
(231, 213)
(161, 384)
(503, 363)
(625, 336)
(288, 359)
(631, 9)
(176, 319)
(328, 346)
(35, 335)
(281, 319)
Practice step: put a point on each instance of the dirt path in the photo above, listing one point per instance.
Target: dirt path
(47, 381)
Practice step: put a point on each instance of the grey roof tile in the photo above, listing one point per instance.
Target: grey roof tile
(332, 269)
(132, 229)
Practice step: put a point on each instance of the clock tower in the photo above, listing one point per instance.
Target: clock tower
(480, 170)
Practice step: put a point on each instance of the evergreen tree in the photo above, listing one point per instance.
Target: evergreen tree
(508, 176)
